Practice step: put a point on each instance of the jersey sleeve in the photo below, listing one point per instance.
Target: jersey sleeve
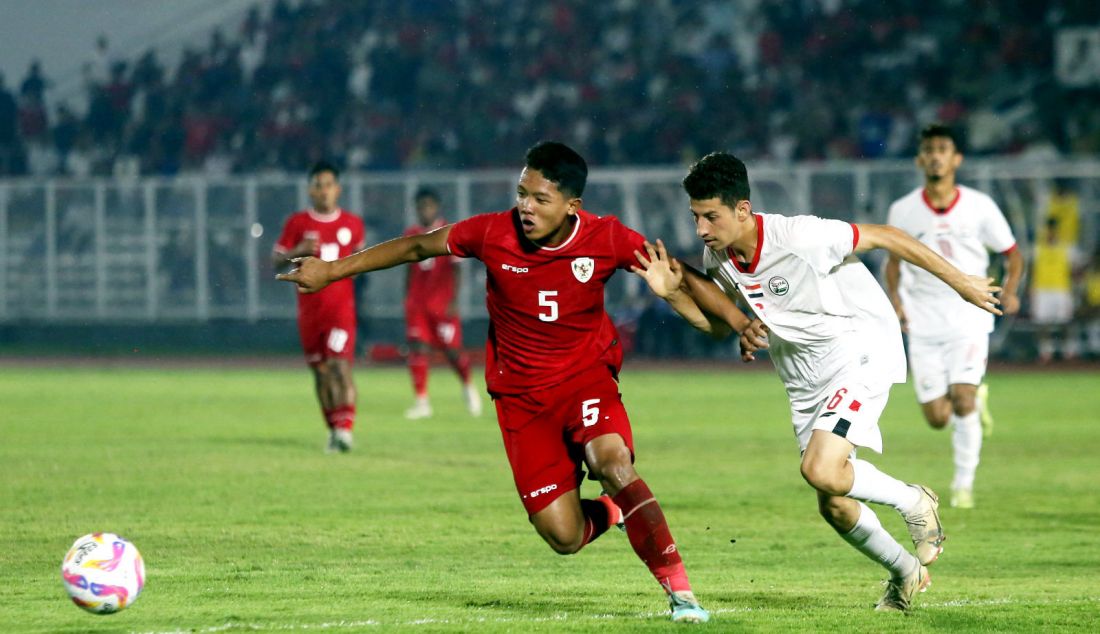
(625, 241)
(290, 237)
(821, 242)
(467, 237)
(995, 233)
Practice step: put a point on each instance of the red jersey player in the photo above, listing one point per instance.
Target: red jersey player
(326, 320)
(553, 357)
(431, 320)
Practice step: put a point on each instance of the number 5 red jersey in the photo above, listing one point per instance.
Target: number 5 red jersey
(546, 304)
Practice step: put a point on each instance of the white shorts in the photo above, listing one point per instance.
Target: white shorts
(1051, 307)
(851, 411)
(936, 365)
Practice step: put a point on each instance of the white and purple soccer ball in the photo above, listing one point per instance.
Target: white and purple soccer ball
(103, 573)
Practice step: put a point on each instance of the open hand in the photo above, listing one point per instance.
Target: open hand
(981, 292)
(311, 275)
(663, 274)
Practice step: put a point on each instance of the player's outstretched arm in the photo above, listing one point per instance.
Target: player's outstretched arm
(665, 277)
(979, 291)
(314, 274)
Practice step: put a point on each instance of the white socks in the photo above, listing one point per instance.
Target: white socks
(871, 485)
(870, 538)
(966, 438)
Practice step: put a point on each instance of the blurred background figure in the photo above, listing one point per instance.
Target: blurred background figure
(1052, 293)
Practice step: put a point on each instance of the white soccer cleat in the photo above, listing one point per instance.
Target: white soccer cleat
(900, 592)
(685, 608)
(473, 400)
(420, 409)
(924, 526)
(341, 440)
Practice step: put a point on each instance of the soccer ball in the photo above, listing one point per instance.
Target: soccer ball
(103, 573)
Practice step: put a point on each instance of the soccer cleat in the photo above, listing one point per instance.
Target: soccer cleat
(341, 440)
(901, 591)
(983, 411)
(331, 446)
(420, 409)
(924, 526)
(962, 498)
(473, 400)
(685, 609)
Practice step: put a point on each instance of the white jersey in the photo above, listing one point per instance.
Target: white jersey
(964, 233)
(827, 314)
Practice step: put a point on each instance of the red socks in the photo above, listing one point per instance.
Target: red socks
(342, 417)
(598, 517)
(649, 536)
(418, 367)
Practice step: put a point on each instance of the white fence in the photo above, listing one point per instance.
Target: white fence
(196, 249)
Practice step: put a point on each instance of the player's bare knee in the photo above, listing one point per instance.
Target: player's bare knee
(614, 467)
(963, 404)
(561, 540)
(822, 476)
(937, 422)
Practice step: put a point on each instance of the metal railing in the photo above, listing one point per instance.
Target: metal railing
(197, 248)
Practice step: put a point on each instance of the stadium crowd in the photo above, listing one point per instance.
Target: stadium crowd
(470, 83)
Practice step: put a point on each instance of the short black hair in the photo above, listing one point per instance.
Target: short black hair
(718, 175)
(559, 164)
(940, 130)
(426, 192)
(320, 167)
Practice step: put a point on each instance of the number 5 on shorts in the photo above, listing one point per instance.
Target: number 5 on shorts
(590, 414)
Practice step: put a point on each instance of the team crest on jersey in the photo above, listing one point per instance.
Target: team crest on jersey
(343, 236)
(583, 268)
(778, 285)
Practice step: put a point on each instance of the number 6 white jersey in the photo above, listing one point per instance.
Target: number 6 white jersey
(964, 233)
(828, 316)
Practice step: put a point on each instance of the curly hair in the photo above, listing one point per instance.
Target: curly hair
(718, 175)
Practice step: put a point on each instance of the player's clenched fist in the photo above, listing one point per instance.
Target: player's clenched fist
(311, 275)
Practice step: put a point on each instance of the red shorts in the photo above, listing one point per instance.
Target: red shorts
(434, 328)
(331, 338)
(545, 433)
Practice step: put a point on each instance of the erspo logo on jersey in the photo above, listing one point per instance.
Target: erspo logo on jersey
(514, 269)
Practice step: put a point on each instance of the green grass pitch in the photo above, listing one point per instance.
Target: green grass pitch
(245, 525)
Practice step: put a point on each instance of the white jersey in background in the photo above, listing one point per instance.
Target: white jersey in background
(964, 233)
(829, 318)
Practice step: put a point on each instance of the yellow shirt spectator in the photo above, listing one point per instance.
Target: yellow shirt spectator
(1065, 207)
(1052, 267)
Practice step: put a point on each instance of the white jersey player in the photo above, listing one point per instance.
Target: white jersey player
(949, 338)
(834, 340)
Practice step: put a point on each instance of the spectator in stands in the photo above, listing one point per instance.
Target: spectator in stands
(1052, 292)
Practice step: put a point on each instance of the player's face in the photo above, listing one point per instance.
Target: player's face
(938, 157)
(324, 191)
(544, 212)
(427, 210)
(717, 224)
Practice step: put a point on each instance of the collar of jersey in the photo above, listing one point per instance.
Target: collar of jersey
(576, 229)
(751, 268)
(944, 212)
(321, 218)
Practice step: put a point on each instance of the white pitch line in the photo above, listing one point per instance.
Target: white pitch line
(343, 625)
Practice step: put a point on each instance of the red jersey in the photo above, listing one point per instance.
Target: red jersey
(337, 235)
(431, 281)
(547, 321)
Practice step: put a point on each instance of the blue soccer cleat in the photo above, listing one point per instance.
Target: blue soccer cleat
(685, 609)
